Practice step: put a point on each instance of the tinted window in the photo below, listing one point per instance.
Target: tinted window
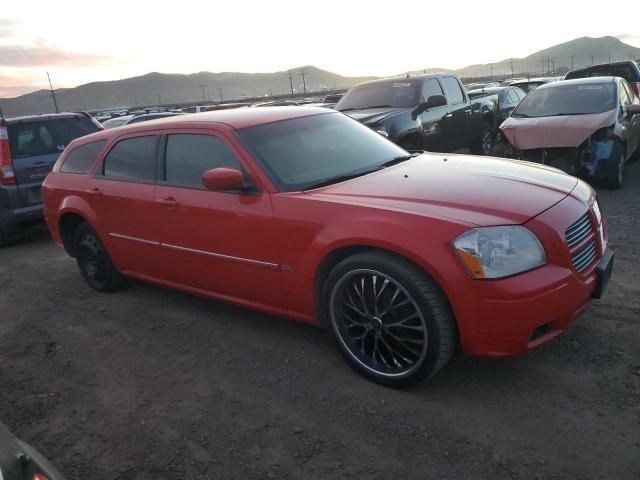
(43, 137)
(625, 70)
(513, 98)
(400, 93)
(132, 159)
(302, 152)
(430, 88)
(633, 98)
(563, 99)
(189, 156)
(519, 93)
(452, 87)
(624, 95)
(80, 159)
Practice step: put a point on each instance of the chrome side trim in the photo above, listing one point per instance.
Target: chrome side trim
(134, 239)
(220, 255)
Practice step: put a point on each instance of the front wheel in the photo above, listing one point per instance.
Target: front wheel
(614, 174)
(94, 261)
(390, 320)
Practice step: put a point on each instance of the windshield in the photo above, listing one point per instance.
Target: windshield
(306, 151)
(567, 100)
(401, 93)
(527, 86)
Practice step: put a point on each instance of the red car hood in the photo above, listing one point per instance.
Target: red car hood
(476, 190)
(555, 132)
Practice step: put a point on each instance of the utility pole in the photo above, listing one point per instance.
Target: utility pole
(572, 59)
(609, 56)
(542, 67)
(304, 82)
(220, 90)
(511, 68)
(592, 57)
(554, 65)
(53, 95)
(291, 82)
(159, 99)
(202, 87)
(491, 65)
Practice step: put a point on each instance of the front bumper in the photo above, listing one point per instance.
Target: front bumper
(513, 315)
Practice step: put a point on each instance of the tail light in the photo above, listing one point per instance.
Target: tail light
(39, 476)
(635, 86)
(7, 175)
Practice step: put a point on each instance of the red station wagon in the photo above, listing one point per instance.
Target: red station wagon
(306, 213)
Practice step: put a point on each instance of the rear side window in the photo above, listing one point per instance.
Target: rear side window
(625, 70)
(452, 87)
(46, 136)
(80, 159)
(132, 159)
(189, 156)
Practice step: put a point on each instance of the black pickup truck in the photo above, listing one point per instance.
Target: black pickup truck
(425, 112)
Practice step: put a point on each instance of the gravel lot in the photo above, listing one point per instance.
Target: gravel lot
(150, 383)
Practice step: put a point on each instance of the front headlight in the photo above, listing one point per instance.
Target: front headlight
(496, 252)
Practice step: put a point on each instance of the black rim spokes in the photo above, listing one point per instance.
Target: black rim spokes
(381, 322)
(93, 258)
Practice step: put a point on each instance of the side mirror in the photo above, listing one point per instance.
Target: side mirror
(435, 101)
(432, 102)
(218, 179)
(633, 109)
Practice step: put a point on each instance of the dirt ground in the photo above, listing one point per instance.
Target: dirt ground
(150, 383)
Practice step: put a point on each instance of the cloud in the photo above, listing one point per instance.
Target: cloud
(6, 27)
(42, 55)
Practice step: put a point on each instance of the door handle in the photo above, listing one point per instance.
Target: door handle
(168, 202)
(96, 192)
(449, 115)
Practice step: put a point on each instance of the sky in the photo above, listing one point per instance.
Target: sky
(79, 42)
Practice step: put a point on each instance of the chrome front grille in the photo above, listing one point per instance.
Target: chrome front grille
(581, 241)
(584, 257)
(578, 231)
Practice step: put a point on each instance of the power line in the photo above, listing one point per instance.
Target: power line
(290, 81)
(304, 83)
(53, 95)
(202, 87)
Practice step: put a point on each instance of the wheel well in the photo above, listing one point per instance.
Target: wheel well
(68, 224)
(338, 255)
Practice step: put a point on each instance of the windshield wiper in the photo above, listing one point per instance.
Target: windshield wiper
(396, 160)
(341, 178)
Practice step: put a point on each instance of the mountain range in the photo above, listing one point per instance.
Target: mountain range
(167, 89)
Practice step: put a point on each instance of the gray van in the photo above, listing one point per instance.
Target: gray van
(29, 146)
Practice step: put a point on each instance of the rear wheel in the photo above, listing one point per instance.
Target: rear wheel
(94, 261)
(390, 320)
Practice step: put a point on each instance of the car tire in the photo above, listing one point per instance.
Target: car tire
(390, 320)
(94, 261)
(483, 144)
(614, 170)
